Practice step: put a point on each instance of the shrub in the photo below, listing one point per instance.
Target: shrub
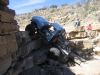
(78, 4)
(53, 6)
(44, 8)
(64, 4)
(53, 10)
(65, 19)
(48, 18)
(66, 13)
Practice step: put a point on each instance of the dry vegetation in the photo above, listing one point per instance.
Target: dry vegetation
(87, 11)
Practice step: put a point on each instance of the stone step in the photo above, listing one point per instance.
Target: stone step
(7, 28)
(5, 63)
(4, 2)
(6, 17)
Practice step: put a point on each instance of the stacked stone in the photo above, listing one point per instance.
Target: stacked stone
(75, 32)
(8, 43)
(84, 47)
(80, 32)
(25, 47)
(14, 44)
(25, 44)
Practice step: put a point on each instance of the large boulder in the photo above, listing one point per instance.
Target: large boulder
(47, 70)
(36, 57)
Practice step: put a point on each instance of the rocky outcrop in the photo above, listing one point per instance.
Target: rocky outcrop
(47, 70)
(83, 46)
(80, 32)
(8, 43)
(14, 44)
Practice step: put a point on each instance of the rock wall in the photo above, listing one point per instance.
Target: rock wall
(8, 43)
(84, 46)
(14, 44)
(81, 31)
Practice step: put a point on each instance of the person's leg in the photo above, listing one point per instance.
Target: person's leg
(89, 34)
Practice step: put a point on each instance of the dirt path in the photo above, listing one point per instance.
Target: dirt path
(91, 67)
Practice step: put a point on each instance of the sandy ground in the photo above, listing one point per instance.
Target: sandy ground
(90, 67)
